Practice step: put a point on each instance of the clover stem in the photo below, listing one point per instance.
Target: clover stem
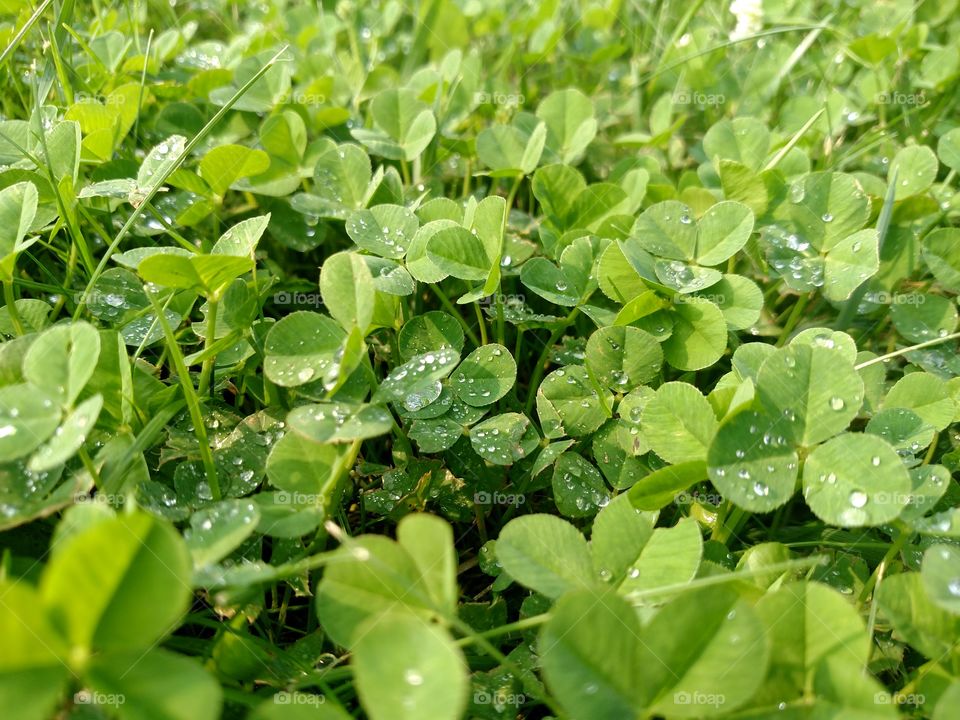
(518, 626)
(793, 319)
(481, 323)
(903, 536)
(206, 371)
(506, 662)
(540, 368)
(904, 351)
(451, 308)
(501, 330)
(192, 400)
(11, 302)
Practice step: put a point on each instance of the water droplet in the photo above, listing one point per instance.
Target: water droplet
(826, 217)
(836, 403)
(858, 498)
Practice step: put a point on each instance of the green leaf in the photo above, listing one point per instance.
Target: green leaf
(407, 669)
(157, 684)
(217, 530)
(241, 239)
(926, 395)
(405, 125)
(297, 706)
(660, 487)
(722, 231)
(429, 541)
(930, 629)
(941, 576)
(347, 289)
(679, 423)
(919, 317)
(546, 554)
(208, 274)
(948, 149)
(568, 403)
(849, 263)
(429, 331)
(571, 125)
(485, 375)
(371, 576)
(752, 463)
(301, 347)
(384, 230)
(69, 437)
(855, 480)
(336, 422)
(744, 140)
(699, 336)
(669, 230)
(704, 653)
(159, 161)
(549, 282)
(342, 174)
(621, 358)
(416, 383)
(816, 393)
(95, 585)
(304, 468)
(619, 534)
(669, 558)
(941, 253)
(915, 169)
(591, 655)
(808, 623)
(578, 487)
(505, 438)
(508, 151)
(458, 252)
(222, 166)
(18, 207)
(63, 359)
(28, 416)
(33, 674)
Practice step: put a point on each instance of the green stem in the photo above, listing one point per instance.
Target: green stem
(508, 629)
(904, 351)
(898, 544)
(504, 661)
(11, 302)
(157, 182)
(206, 371)
(793, 320)
(452, 309)
(481, 323)
(540, 368)
(190, 395)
